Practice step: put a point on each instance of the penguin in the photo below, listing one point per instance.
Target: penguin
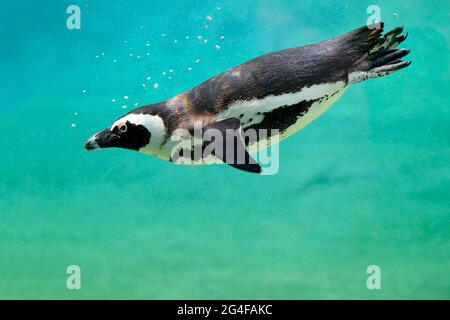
(278, 93)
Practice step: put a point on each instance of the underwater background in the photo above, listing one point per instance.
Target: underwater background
(368, 183)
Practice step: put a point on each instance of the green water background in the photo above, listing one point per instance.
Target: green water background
(367, 183)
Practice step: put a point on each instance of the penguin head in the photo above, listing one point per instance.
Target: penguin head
(138, 132)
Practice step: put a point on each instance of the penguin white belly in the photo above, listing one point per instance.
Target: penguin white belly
(316, 109)
(253, 112)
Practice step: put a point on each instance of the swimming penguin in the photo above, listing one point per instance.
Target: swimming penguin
(278, 93)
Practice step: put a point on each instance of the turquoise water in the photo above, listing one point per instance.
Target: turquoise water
(368, 183)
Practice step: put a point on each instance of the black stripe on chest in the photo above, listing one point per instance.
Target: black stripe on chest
(283, 117)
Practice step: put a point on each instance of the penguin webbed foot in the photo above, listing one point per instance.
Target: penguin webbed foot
(383, 58)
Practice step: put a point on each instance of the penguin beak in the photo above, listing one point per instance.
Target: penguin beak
(100, 140)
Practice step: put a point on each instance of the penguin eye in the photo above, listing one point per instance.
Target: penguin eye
(123, 128)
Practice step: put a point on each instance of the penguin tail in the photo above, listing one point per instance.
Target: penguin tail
(382, 55)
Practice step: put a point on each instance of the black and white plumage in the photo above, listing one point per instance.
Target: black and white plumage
(283, 90)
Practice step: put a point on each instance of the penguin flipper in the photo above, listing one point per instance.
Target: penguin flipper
(233, 151)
